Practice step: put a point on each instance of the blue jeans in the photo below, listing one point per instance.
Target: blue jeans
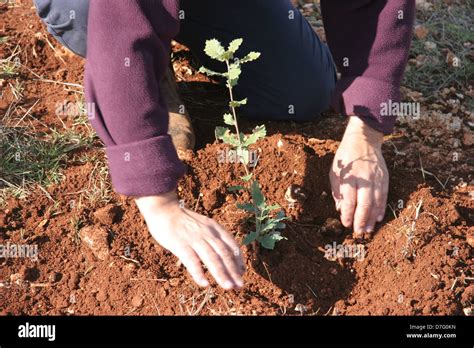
(293, 79)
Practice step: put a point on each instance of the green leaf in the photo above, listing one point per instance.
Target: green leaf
(243, 155)
(248, 207)
(247, 178)
(271, 225)
(258, 133)
(229, 119)
(257, 195)
(280, 226)
(268, 241)
(221, 131)
(249, 238)
(238, 103)
(224, 134)
(250, 57)
(235, 44)
(233, 74)
(230, 139)
(208, 72)
(268, 226)
(214, 50)
(235, 188)
(273, 207)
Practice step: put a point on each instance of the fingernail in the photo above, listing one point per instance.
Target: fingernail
(203, 282)
(239, 283)
(369, 229)
(228, 285)
(379, 218)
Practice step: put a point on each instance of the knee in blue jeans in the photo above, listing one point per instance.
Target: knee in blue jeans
(66, 20)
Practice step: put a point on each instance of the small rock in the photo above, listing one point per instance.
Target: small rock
(137, 301)
(101, 296)
(16, 278)
(55, 277)
(468, 295)
(468, 311)
(455, 124)
(468, 139)
(421, 31)
(301, 308)
(470, 238)
(429, 45)
(295, 193)
(95, 238)
(351, 301)
(174, 281)
(452, 59)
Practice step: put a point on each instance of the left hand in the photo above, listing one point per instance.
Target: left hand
(359, 177)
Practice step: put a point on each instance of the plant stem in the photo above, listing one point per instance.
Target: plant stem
(236, 125)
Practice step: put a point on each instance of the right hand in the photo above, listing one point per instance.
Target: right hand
(193, 238)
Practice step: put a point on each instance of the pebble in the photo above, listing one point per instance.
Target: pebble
(137, 301)
(101, 296)
(470, 239)
(95, 238)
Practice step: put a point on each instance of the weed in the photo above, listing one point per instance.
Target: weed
(267, 224)
(450, 28)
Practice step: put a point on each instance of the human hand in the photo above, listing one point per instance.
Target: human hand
(359, 177)
(193, 238)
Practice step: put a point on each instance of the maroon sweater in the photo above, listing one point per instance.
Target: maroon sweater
(128, 52)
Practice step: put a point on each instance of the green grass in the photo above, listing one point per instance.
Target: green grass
(450, 29)
(9, 66)
(28, 160)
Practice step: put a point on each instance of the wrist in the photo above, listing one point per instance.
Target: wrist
(158, 203)
(358, 129)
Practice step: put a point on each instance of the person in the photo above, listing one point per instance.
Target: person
(135, 101)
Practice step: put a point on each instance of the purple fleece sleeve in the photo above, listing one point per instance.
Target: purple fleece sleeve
(128, 52)
(370, 42)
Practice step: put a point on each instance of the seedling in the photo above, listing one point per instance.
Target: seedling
(267, 223)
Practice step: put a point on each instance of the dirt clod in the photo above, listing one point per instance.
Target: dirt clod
(108, 215)
(137, 301)
(332, 226)
(95, 238)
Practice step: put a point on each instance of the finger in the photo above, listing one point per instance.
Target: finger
(365, 203)
(232, 244)
(227, 256)
(349, 199)
(215, 265)
(336, 194)
(382, 205)
(380, 200)
(192, 263)
(378, 206)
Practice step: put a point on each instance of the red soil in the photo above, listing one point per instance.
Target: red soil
(126, 272)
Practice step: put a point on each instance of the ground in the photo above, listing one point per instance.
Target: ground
(96, 256)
